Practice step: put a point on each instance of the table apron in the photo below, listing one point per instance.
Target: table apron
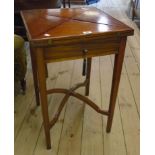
(78, 51)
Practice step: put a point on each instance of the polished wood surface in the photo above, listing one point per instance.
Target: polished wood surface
(74, 132)
(81, 22)
(33, 4)
(67, 34)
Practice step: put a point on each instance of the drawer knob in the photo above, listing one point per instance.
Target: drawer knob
(85, 51)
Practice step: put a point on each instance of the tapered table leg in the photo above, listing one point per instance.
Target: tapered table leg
(64, 3)
(69, 3)
(89, 61)
(46, 70)
(35, 78)
(43, 95)
(115, 81)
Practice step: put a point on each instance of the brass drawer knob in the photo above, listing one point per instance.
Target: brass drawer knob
(85, 51)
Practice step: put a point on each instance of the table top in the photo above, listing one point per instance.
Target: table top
(50, 24)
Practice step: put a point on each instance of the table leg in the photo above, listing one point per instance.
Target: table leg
(43, 95)
(64, 3)
(46, 70)
(69, 3)
(35, 78)
(89, 61)
(115, 81)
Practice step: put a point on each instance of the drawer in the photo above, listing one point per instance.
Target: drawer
(63, 52)
(101, 47)
(87, 48)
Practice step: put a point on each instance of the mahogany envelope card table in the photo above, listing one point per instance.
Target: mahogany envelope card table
(68, 34)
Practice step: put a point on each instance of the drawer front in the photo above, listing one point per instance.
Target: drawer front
(87, 48)
(101, 47)
(63, 52)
